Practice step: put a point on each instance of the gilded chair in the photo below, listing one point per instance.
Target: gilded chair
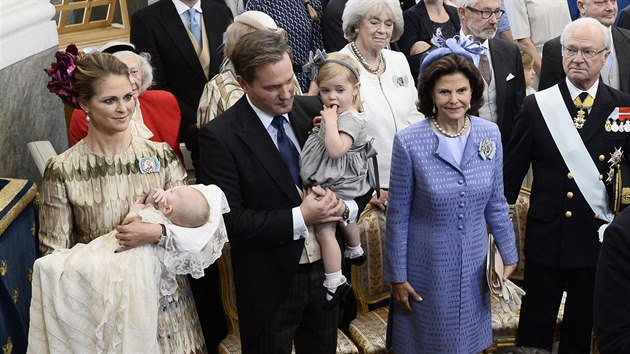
(505, 324)
(232, 343)
(368, 329)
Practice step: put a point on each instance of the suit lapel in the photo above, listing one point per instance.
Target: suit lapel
(444, 153)
(500, 74)
(621, 43)
(174, 26)
(256, 137)
(472, 145)
(470, 150)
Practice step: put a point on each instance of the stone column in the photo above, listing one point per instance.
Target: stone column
(28, 112)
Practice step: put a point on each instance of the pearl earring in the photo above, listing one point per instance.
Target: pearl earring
(434, 108)
(87, 116)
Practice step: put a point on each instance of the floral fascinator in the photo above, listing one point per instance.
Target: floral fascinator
(460, 45)
(61, 75)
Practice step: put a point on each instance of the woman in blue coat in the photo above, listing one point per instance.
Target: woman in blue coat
(445, 191)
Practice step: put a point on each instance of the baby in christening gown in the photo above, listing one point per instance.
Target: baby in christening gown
(104, 297)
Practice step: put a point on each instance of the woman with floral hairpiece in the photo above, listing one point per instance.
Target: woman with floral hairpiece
(446, 187)
(87, 190)
(157, 113)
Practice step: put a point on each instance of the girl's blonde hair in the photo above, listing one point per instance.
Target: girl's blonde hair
(328, 70)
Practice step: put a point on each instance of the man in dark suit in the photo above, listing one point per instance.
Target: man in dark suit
(248, 151)
(612, 286)
(624, 18)
(569, 146)
(615, 72)
(181, 65)
(332, 30)
(505, 82)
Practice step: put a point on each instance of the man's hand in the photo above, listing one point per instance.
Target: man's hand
(321, 206)
(402, 292)
(381, 202)
(137, 233)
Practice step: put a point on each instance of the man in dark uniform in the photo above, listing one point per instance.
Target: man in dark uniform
(569, 146)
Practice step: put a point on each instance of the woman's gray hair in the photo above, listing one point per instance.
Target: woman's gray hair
(144, 65)
(356, 10)
(587, 22)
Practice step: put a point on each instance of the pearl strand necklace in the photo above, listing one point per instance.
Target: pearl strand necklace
(450, 135)
(366, 65)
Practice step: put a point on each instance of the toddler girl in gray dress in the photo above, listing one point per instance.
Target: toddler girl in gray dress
(338, 155)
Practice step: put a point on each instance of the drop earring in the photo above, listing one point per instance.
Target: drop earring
(87, 116)
(434, 109)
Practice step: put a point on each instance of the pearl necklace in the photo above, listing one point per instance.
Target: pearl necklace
(366, 65)
(450, 135)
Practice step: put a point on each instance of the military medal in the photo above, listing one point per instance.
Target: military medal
(618, 121)
(582, 111)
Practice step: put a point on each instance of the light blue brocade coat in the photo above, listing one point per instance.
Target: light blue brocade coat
(437, 239)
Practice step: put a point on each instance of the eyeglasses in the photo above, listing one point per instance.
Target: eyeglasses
(485, 14)
(588, 53)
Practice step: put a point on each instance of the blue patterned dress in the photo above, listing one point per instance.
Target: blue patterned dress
(305, 35)
(437, 239)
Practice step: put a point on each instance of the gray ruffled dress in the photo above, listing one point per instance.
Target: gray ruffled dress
(349, 176)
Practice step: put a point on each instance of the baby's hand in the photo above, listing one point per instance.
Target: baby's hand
(157, 195)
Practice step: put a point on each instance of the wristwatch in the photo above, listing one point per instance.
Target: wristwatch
(346, 213)
(162, 241)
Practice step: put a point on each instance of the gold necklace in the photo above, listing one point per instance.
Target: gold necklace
(357, 54)
(450, 135)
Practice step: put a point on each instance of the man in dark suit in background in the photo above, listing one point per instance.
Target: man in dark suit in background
(184, 58)
(503, 74)
(624, 18)
(182, 63)
(250, 151)
(332, 30)
(615, 72)
(611, 318)
(569, 146)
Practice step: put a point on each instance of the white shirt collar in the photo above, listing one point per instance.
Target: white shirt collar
(265, 118)
(574, 91)
(181, 7)
(483, 44)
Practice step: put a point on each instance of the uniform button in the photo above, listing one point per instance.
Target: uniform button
(568, 214)
(462, 193)
(460, 181)
(461, 216)
(461, 205)
(570, 175)
(602, 157)
(596, 216)
(569, 195)
(601, 177)
(460, 227)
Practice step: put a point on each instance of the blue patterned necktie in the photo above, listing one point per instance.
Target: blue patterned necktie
(287, 150)
(193, 25)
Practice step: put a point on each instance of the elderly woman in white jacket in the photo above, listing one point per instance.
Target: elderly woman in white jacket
(387, 87)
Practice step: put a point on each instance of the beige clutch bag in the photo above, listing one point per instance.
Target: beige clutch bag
(507, 292)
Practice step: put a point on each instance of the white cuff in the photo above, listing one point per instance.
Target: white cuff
(299, 226)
